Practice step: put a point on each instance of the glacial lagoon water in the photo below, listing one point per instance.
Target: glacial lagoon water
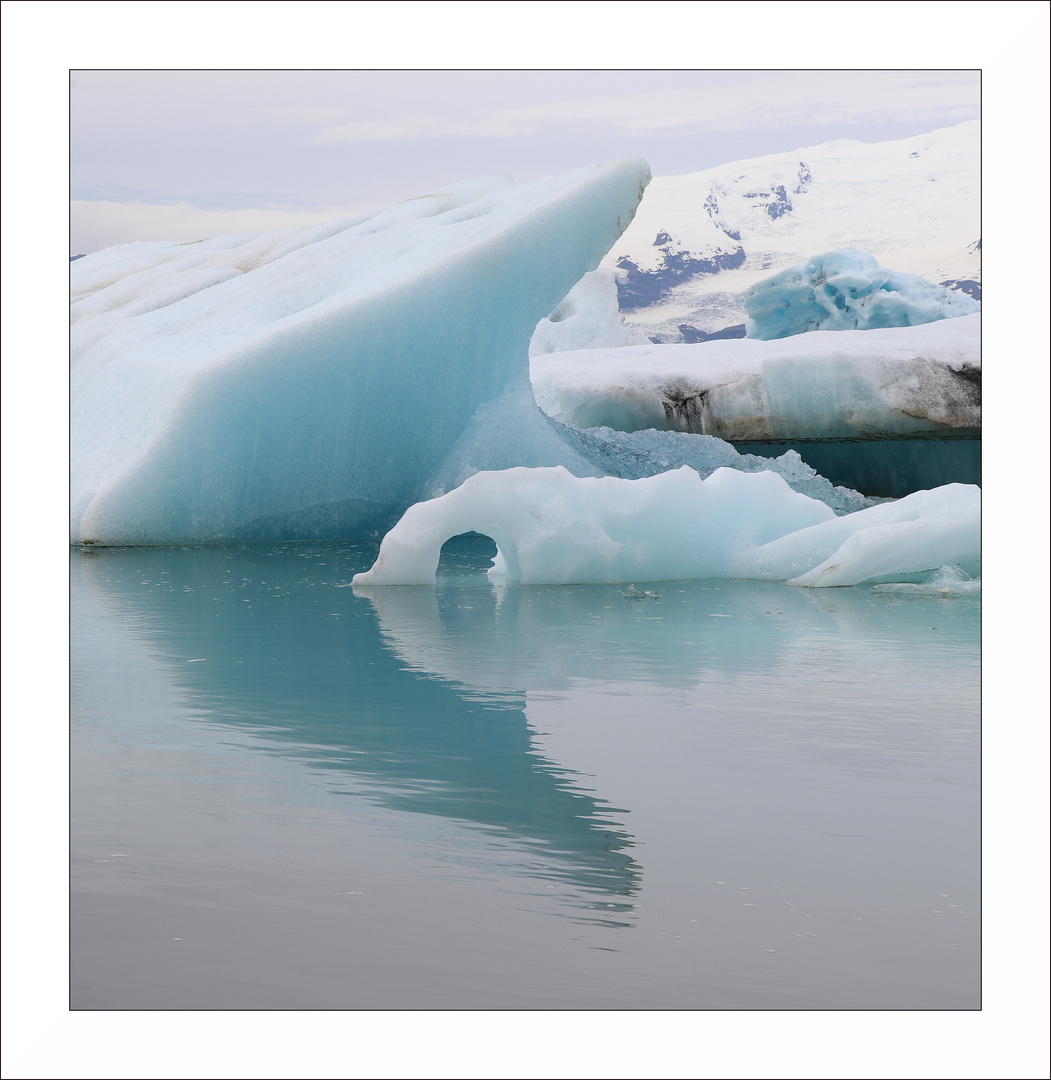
(288, 793)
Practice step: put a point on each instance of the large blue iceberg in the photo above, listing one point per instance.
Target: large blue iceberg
(314, 382)
(846, 290)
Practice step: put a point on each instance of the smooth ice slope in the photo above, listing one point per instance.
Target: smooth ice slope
(312, 382)
(554, 528)
(846, 290)
(847, 384)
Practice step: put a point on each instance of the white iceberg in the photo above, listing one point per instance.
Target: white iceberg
(847, 384)
(551, 527)
(313, 382)
(846, 289)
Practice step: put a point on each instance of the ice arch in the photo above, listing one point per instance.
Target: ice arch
(551, 527)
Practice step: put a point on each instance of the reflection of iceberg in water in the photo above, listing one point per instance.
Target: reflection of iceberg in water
(800, 768)
(496, 639)
(564, 649)
(285, 654)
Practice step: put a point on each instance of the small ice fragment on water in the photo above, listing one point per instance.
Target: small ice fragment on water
(716, 615)
(199, 660)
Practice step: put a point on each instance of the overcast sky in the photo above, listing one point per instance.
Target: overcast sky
(179, 154)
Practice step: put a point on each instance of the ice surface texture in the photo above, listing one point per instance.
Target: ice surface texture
(947, 580)
(846, 289)
(314, 382)
(588, 318)
(901, 381)
(554, 528)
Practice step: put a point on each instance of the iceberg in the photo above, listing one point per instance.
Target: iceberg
(315, 382)
(551, 527)
(846, 384)
(846, 290)
(882, 411)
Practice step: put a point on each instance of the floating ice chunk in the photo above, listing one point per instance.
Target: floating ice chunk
(918, 533)
(553, 528)
(948, 580)
(633, 592)
(308, 383)
(846, 290)
(898, 381)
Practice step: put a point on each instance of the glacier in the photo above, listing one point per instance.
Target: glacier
(551, 527)
(700, 240)
(846, 289)
(314, 382)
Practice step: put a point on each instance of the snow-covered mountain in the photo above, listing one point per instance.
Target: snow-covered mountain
(699, 241)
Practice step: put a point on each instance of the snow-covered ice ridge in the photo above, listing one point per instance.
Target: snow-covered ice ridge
(699, 241)
(554, 528)
(314, 382)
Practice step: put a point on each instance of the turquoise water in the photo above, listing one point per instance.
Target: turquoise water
(290, 793)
